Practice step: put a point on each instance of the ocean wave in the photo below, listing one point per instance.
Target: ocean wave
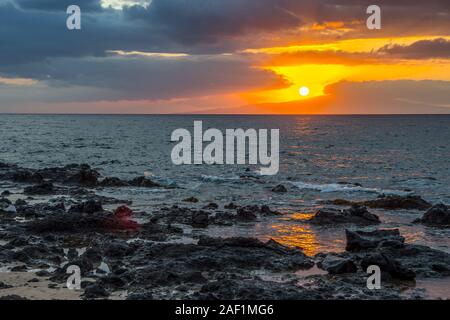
(337, 187)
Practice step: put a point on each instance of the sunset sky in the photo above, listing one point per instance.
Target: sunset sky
(225, 56)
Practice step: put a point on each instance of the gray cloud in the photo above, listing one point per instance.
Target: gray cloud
(424, 49)
(148, 78)
(211, 20)
(59, 5)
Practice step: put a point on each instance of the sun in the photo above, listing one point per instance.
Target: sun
(303, 91)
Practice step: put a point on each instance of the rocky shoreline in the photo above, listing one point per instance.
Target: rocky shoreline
(129, 254)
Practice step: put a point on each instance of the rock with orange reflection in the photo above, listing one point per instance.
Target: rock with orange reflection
(356, 214)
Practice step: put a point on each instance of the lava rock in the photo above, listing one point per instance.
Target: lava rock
(90, 206)
(191, 199)
(338, 265)
(280, 189)
(366, 240)
(438, 215)
(389, 265)
(200, 219)
(40, 189)
(356, 214)
(113, 182)
(143, 182)
(211, 206)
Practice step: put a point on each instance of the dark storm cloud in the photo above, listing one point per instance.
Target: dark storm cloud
(424, 49)
(209, 20)
(59, 5)
(148, 78)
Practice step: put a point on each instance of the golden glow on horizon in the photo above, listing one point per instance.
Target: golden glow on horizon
(349, 45)
(317, 76)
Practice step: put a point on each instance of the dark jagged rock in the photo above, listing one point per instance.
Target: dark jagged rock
(200, 219)
(249, 213)
(337, 265)
(245, 214)
(398, 202)
(12, 297)
(364, 240)
(4, 286)
(90, 206)
(117, 249)
(94, 291)
(143, 182)
(438, 215)
(5, 193)
(25, 176)
(389, 265)
(113, 182)
(84, 177)
(40, 189)
(191, 199)
(79, 222)
(392, 202)
(356, 214)
(211, 206)
(280, 189)
(230, 206)
(4, 203)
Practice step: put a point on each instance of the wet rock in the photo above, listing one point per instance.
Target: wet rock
(356, 214)
(392, 202)
(123, 211)
(26, 176)
(141, 295)
(231, 206)
(398, 202)
(249, 213)
(143, 182)
(40, 189)
(200, 219)
(20, 203)
(12, 297)
(279, 189)
(438, 215)
(81, 223)
(113, 182)
(337, 265)
(84, 176)
(244, 214)
(118, 249)
(389, 265)
(364, 240)
(4, 203)
(4, 286)
(93, 255)
(90, 206)
(5, 193)
(191, 199)
(211, 206)
(95, 291)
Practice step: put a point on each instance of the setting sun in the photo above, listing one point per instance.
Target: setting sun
(303, 91)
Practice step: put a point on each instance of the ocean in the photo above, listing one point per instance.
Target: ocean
(321, 158)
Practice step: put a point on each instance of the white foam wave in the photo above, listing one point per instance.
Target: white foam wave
(337, 187)
(207, 178)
